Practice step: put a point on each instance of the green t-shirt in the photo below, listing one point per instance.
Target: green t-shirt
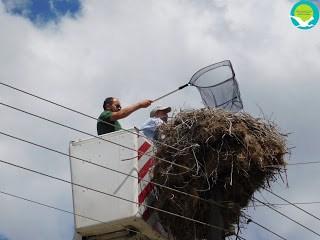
(103, 128)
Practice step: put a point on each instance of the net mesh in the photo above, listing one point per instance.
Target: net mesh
(218, 86)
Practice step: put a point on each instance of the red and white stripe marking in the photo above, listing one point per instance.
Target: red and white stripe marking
(145, 166)
(146, 162)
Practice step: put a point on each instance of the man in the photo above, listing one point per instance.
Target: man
(113, 112)
(158, 116)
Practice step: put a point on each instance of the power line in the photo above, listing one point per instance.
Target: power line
(81, 159)
(99, 221)
(278, 196)
(84, 160)
(157, 209)
(93, 219)
(111, 195)
(100, 139)
(114, 196)
(110, 169)
(109, 141)
(65, 211)
(284, 204)
(282, 214)
(267, 229)
(91, 135)
(293, 164)
(86, 115)
(69, 212)
(94, 118)
(303, 163)
(81, 113)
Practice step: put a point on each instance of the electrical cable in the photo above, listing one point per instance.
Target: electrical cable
(278, 196)
(77, 129)
(303, 163)
(157, 209)
(63, 210)
(56, 151)
(110, 169)
(114, 196)
(284, 204)
(91, 135)
(267, 229)
(94, 118)
(293, 164)
(81, 113)
(282, 214)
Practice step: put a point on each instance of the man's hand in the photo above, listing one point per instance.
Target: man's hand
(145, 103)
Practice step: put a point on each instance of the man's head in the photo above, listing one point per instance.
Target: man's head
(160, 112)
(112, 104)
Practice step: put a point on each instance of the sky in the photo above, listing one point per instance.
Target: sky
(41, 12)
(79, 52)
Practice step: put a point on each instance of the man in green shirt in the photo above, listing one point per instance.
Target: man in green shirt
(108, 119)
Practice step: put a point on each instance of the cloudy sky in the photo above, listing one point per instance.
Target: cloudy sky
(79, 52)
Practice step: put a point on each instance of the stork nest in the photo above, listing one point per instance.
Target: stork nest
(226, 158)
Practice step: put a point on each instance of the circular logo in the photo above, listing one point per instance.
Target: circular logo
(304, 15)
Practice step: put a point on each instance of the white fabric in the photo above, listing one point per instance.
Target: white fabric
(150, 126)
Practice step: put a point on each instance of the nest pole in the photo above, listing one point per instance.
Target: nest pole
(216, 219)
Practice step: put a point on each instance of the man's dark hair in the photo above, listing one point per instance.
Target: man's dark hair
(107, 101)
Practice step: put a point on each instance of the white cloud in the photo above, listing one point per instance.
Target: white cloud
(142, 49)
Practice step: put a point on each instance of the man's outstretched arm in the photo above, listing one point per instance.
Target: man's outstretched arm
(130, 109)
